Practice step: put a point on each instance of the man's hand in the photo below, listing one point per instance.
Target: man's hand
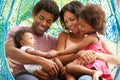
(42, 75)
(50, 67)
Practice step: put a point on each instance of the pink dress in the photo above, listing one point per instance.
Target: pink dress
(99, 65)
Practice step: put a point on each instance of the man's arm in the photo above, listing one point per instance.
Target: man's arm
(105, 46)
(16, 54)
(24, 58)
(109, 57)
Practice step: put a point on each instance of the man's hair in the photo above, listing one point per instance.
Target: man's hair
(18, 36)
(47, 5)
(94, 15)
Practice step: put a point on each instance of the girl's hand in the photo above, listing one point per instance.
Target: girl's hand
(52, 54)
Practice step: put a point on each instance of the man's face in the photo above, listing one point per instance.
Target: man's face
(42, 22)
(118, 3)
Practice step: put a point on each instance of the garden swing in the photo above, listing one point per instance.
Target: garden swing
(18, 12)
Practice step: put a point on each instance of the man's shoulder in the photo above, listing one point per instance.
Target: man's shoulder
(18, 27)
(49, 36)
(13, 30)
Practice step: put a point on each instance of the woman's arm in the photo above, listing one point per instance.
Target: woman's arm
(61, 45)
(87, 56)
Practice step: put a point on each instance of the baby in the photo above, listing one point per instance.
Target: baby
(26, 42)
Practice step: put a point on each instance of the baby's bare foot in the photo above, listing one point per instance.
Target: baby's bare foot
(96, 75)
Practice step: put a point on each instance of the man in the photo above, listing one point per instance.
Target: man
(44, 13)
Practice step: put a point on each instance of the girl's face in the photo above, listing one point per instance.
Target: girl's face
(85, 28)
(28, 40)
(71, 22)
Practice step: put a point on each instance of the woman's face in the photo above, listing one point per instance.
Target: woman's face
(71, 22)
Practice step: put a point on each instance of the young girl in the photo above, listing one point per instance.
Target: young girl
(92, 22)
(26, 42)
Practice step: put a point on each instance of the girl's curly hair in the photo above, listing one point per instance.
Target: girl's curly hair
(94, 15)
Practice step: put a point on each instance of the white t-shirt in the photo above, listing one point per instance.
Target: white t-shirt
(30, 67)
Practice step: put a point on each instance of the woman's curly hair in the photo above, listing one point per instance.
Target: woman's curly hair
(72, 7)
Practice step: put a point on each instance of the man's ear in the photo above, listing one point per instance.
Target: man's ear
(33, 16)
(22, 42)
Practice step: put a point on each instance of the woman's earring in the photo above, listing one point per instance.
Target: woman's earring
(80, 27)
(70, 31)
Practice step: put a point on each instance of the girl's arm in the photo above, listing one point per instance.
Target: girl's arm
(83, 43)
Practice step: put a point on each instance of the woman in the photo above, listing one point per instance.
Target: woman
(68, 17)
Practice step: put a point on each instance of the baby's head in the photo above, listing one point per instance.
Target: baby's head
(24, 37)
(94, 15)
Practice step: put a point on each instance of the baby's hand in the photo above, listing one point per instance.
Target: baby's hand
(52, 54)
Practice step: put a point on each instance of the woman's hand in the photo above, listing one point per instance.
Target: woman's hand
(87, 55)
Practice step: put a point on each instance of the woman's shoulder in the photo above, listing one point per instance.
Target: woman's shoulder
(63, 34)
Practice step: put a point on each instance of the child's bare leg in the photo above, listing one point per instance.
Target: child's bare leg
(70, 77)
(96, 75)
(79, 70)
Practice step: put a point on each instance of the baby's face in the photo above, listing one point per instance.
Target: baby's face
(28, 40)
